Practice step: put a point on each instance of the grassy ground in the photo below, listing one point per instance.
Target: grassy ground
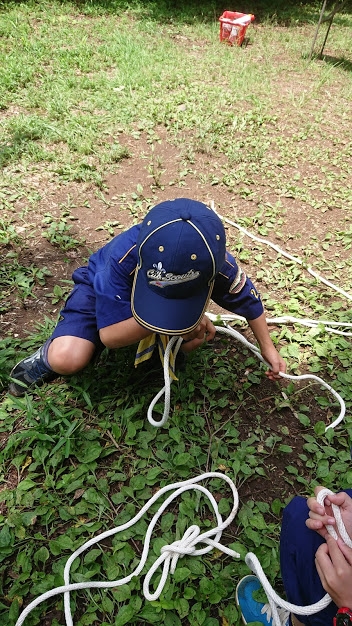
(106, 109)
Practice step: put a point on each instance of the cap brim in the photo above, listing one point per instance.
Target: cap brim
(167, 316)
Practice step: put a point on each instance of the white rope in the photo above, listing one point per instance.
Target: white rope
(169, 554)
(167, 386)
(234, 333)
(226, 330)
(329, 326)
(324, 493)
(187, 545)
(295, 259)
(275, 600)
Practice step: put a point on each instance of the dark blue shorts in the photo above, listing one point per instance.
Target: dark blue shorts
(78, 317)
(298, 546)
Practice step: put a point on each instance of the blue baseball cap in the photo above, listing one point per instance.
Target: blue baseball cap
(181, 247)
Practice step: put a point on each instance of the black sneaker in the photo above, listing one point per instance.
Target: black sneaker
(30, 371)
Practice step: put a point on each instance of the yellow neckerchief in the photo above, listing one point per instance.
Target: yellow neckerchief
(146, 348)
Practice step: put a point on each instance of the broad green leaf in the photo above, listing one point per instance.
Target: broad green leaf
(196, 566)
(26, 484)
(89, 451)
(171, 619)
(166, 604)
(158, 544)
(153, 474)
(60, 544)
(175, 434)
(137, 482)
(181, 574)
(276, 506)
(41, 555)
(224, 506)
(258, 521)
(107, 604)
(122, 593)
(182, 607)
(167, 522)
(319, 428)
(92, 556)
(215, 597)
(125, 615)
(6, 537)
(150, 614)
(323, 469)
(183, 459)
(14, 611)
(112, 569)
(94, 497)
(206, 586)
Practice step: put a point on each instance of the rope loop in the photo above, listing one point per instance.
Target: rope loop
(228, 330)
(322, 495)
(187, 545)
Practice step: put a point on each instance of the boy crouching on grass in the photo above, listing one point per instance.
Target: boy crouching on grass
(156, 277)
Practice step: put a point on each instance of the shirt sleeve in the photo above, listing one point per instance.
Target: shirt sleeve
(235, 292)
(112, 270)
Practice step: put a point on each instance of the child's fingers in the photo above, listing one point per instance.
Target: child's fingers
(324, 519)
(315, 507)
(346, 551)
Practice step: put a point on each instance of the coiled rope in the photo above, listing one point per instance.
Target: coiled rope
(226, 330)
(186, 546)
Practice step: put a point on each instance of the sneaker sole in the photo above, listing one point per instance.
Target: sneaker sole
(14, 391)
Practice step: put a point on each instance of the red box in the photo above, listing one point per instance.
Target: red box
(233, 26)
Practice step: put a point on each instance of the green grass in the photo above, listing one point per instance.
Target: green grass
(87, 91)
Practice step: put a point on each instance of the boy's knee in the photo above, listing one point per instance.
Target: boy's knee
(66, 359)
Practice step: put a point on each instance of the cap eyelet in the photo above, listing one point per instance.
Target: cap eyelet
(193, 257)
(217, 237)
(149, 222)
(161, 248)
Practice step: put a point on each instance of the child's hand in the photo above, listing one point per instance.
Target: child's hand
(267, 348)
(333, 561)
(275, 360)
(205, 331)
(321, 515)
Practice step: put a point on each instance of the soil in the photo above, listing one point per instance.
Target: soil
(109, 206)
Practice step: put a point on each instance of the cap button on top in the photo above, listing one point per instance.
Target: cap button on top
(185, 215)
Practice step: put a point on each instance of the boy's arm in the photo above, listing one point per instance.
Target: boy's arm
(129, 331)
(123, 333)
(235, 292)
(267, 348)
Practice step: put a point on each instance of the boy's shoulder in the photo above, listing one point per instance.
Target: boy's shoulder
(121, 251)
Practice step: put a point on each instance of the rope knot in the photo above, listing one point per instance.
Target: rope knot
(183, 546)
